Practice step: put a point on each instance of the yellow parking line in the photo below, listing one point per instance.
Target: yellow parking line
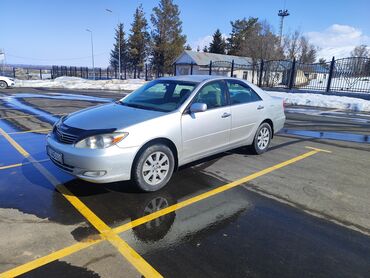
(317, 149)
(10, 166)
(134, 258)
(210, 193)
(124, 246)
(19, 164)
(29, 131)
(19, 270)
(14, 144)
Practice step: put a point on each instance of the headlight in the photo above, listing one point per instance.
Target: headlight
(101, 141)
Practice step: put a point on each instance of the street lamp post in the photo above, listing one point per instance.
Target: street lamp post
(119, 45)
(92, 51)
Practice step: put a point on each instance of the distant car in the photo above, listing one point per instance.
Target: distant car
(6, 82)
(164, 124)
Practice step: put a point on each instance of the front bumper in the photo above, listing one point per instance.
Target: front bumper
(113, 163)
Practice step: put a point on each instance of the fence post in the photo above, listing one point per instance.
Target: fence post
(146, 72)
(292, 75)
(14, 72)
(99, 73)
(330, 74)
(261, 73)
(232, 68)
(40, 74)
(210, 68)
(191, 68)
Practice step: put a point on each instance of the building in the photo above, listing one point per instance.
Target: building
(192, 62)
(275, 73)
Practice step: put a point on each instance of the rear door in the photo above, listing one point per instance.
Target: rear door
(247, 111)
(209, 131)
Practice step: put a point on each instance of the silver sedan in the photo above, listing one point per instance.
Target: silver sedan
(164, 124)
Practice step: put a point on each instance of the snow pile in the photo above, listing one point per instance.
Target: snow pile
(66, 82)
(319, 100)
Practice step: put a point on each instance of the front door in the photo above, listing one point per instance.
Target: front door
(207, 132)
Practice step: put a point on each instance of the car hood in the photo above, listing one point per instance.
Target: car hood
(109, 116)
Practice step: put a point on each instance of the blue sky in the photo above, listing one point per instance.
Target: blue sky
(53, 32)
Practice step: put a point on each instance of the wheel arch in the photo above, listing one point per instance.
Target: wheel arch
(6, 82)
(161, 140)
(270, 122)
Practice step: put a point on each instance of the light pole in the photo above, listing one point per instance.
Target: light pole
(119, 45)
(92, 51)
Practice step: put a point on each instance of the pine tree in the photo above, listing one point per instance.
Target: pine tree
(205, 49)
(241, 30)
(188, 47)
(218, 44)
(119, 40)
(139, 39)
(168, 40)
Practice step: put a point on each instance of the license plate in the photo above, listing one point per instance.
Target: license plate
(57, 156)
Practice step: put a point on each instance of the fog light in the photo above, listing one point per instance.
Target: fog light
(94, 173)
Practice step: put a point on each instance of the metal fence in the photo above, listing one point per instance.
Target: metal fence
(29, 72)
(347, 74)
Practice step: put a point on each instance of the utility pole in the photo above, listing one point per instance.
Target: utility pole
(2, 59)
(92, 51)
(119, 45)
(282, 13)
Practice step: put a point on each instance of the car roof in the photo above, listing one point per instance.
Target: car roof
(192, 78)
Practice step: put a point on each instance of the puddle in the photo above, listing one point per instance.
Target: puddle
(15, 102)
(358, 138)
(59, 96)
(350, 116)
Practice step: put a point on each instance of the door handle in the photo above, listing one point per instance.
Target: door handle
(225, 115)
(260, 107)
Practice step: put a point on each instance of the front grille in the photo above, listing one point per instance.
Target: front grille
(65, 138)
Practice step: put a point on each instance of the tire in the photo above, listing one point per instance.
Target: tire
(153, 168)
(3, 85)
(262, 139)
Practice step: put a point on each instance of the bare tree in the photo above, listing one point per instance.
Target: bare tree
(297, 46)
(291, 45)
(307, 51)
(360, 51)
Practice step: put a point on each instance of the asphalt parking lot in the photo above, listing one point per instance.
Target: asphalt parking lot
(300, 210)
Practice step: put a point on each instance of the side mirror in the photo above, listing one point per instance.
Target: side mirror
(198, 107)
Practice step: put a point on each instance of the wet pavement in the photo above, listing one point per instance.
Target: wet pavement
(310, 218)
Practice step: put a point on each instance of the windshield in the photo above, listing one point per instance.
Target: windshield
(160, 95)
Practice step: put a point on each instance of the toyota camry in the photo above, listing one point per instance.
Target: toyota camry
(166, 123)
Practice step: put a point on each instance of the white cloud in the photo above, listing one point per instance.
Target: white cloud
(337, 40)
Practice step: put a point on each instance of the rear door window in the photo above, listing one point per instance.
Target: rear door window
(241, 93)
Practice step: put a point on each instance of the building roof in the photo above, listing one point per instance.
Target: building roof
(204, 58)
(192, 78)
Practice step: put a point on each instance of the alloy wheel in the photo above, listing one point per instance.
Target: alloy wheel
(263, 138)
(155, 168)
